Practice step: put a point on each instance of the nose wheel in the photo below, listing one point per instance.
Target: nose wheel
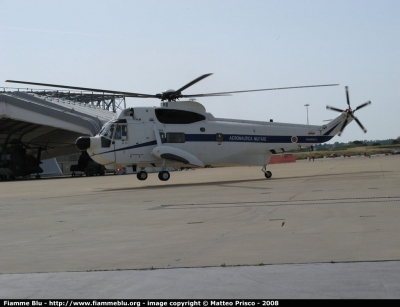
(164, 175)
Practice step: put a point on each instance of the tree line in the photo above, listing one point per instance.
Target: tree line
(357, 143)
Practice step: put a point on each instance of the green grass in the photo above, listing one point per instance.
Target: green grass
(347, 151)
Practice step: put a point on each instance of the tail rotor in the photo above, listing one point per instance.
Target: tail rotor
(350, 112)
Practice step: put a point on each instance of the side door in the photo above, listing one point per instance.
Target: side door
(120, 143)
(141, 143)
(149, 142)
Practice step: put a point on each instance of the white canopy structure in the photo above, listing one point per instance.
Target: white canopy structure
(50, 123)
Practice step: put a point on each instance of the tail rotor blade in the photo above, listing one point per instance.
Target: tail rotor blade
(347, 96)
(350, 112)
(359, 123)
(335, 109)
(344, 125)
(362, 105)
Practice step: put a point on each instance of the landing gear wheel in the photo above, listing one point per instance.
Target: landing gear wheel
(268, 174)
(164, 175)
(141, 175)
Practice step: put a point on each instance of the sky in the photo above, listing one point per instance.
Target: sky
(150, 46)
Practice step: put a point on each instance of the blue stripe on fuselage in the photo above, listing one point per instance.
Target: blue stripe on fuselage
(236, 138)
(330, 130)
(130, 147)
(256, 138)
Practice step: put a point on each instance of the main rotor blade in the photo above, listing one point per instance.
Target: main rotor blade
(344, 125)
(129, 94)
(347, 96)
(335, 109)
(203, 95)
(267, 89)
(359, 123)
(193, 82)
(362, 105)
(177, 93)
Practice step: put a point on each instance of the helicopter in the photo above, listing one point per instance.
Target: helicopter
(183, 134)
(87, 166)
(16, 162)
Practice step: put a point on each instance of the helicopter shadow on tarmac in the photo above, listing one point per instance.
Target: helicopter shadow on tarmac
(239, 181)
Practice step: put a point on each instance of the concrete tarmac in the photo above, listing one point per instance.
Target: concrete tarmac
(322, 229)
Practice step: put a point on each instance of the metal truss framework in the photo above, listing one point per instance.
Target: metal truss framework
(109, 102)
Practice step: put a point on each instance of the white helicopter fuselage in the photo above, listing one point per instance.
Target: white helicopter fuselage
(183, 134)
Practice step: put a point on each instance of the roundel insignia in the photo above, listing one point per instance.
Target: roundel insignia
(294, 139)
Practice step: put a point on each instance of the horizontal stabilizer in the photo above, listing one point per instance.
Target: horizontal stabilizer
(175, 154)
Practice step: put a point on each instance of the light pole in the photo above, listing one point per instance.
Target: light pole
(307, 105)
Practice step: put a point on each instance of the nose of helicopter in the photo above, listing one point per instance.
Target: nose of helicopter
(82, 143)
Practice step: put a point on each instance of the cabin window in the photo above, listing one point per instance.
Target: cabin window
(219, 137)
(170, 116)
(162, 137)
(173, 137)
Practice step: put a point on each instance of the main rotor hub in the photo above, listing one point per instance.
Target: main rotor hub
(170, 95)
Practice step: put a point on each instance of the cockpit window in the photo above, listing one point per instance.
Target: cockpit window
(117, 135)
(116, 131)
(121, 132)
(107, 131)
(170, 116)
(106, 134)
(124, 132)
